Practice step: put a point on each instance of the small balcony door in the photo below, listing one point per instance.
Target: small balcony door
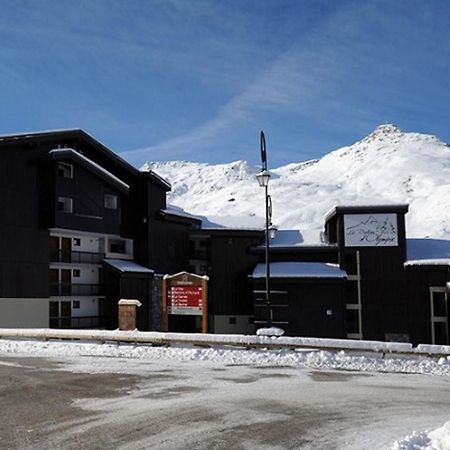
(66, 249)
(439, 316)
(66, 280)
(66, 313)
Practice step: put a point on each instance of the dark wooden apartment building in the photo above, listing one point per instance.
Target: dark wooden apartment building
(80, 228)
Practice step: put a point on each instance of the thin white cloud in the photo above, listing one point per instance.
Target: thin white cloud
(345, 73)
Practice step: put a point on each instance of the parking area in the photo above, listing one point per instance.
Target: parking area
(108, 403)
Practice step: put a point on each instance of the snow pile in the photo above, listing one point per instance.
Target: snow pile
(330, 360)
(388, 166)
(271, 331)
(438, 439)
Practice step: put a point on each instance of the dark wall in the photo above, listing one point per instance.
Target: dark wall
(306, 305)
(24, 254)
(162, 245)
(302, 255)
(383, 284)
(87, 192)
(136, 286)
(419, 280)
(231, 263)
(168, 247)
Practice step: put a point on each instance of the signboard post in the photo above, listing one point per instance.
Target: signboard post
(185, 294)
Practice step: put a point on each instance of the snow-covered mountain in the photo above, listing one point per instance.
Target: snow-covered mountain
(388, 166)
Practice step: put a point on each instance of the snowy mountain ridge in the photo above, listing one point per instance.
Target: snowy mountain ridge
(387, 166)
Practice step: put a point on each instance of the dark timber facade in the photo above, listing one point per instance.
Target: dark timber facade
(80, 229)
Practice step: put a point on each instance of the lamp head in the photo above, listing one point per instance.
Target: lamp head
(272, 231)
(263, 178)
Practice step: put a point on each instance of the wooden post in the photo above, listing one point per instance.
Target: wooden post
(165, 312)
(205, 306)
(127, 314)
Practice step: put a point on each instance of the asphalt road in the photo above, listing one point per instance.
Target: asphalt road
(48, 403)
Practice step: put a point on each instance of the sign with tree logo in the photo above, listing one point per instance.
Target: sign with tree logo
(370, 230)
(185, 294)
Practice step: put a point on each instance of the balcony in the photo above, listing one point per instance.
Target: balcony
(76, 257)
(69, 289)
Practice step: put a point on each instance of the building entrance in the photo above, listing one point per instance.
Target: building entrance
(439, 316)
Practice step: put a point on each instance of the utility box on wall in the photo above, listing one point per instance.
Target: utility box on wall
(127, 314)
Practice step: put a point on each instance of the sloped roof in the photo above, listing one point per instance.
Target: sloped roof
(70, 153)
(427, 252)
(127, 266)
(299, 270)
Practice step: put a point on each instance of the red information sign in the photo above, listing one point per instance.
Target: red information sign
(185, 300)
(185, 294)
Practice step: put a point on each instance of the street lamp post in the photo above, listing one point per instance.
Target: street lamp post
(263, 179)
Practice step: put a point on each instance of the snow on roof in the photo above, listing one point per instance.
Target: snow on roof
(36, 133)
(180, 212)
(242, 222)
(297, 238)
(367, 208)
(75, 154)
(299, 270)
(127, 266)
(159, 178)
(427, 252)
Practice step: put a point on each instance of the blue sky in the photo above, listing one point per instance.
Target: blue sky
(197, 80)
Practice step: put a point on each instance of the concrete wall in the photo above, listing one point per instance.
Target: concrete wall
(24, 312)
(240, 324)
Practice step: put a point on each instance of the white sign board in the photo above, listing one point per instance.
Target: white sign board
(370, 230)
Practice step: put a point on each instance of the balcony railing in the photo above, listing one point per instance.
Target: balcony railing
(63, 289)
(76, 257)
(75, 322)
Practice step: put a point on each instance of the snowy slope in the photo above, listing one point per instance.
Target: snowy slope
(387, 166)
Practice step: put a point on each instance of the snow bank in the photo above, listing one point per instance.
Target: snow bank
(271, 331)
(154, 337)
(331, 360)
(438, 439)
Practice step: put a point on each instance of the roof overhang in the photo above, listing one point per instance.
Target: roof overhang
(70, 133)
(300, 270)
(64, 154)
(160, 181)
(367, 209)
(125, 266)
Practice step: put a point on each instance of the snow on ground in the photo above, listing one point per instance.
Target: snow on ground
(339, 360)
(342, 409)
(387, 166)
(438, 439)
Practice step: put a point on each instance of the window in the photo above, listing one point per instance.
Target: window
(351, 263)
(110, 201)
(65, 170)
(232, 320)
(76, 242)
(439, 304)
(117, 246)
(76, 273)
(76, 304)
(65, 204)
